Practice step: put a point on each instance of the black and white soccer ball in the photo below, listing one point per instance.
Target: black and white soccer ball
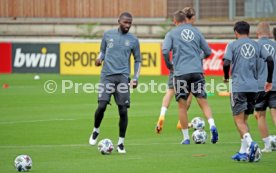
(105, 146)
(23, 163)
(197, 123)
(199, 136)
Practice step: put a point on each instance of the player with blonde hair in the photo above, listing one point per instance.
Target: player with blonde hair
(190, 18)
(265, 99)
(187, 44)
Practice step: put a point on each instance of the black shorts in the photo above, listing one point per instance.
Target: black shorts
(116, 85)
(243, 102)
(189, 83)
(265, 100)
(170, 81)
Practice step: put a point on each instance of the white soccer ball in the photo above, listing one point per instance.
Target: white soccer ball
(197, 123)
(23, 163)
(199, 136)
(36, 77)
(273, 141)
(105, 146)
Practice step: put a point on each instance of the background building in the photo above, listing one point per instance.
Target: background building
(89, 18)
(206, 9)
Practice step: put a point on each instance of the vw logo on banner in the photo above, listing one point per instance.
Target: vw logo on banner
(247, 51)
(270, 49)
(187, 35)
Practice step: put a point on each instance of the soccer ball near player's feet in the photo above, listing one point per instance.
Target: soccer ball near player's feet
(105, 146)
(23, 163)
(198, 123)
(199, 136)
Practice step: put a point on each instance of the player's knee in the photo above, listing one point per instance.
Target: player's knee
(259, 113)
(123, 111)
(102, 105)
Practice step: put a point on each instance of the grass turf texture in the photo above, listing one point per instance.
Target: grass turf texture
(54, 130)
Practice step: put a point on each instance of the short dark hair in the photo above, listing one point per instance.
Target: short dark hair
(274, 33)
(125, 14)
(189, 12)
(242, 27)
(179, 16)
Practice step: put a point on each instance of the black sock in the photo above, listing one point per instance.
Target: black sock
(99, 114)
(123, 120)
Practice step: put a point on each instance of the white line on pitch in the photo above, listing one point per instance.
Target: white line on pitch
(34, 121)
(46, 146)
(87, 145)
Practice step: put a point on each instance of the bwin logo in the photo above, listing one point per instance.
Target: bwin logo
(187, 35)
(269, 49)
(247, 51)
(35, 59)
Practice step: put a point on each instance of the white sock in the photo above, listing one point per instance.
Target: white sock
(243, 146)
(185, 133)
(121, 140)
(163, 111)
(96, 130)
(248, 138)
(267, 142)
(211, 122)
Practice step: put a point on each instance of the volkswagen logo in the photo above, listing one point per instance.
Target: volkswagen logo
(270, 49)
(247, 51)
(187, 35)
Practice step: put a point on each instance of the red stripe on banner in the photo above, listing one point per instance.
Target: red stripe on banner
(5, 58)
(213, 65)
(164, 69)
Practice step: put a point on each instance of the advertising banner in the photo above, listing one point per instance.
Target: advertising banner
(213, 65)
(5, 58)
(35, 58)
(150, 59)
(79, 58)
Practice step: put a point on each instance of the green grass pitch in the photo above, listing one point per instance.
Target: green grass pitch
(54, 130)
